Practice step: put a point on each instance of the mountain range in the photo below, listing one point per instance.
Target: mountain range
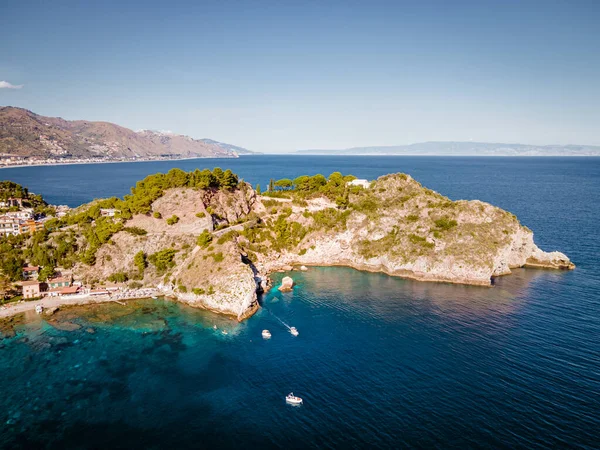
(28, 135)
(467, 148)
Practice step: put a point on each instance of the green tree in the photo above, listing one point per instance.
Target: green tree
(218, 174)
(204, 239)
(258, 189)
(172, 220)
(284, 183)
(12, 265)
(45, 273)
(229, 180)
(163, 259)
(118, 277)
(140, 261)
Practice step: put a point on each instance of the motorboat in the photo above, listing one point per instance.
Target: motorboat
(292, 399)
(266, 334)
(294, 331)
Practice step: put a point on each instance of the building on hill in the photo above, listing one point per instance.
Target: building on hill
(30, 226)
(360, 182)
(9, 226)
(31, 289)
(19, 222)
(11, 202)
(106, 212)
(23, 214)
(31, 272)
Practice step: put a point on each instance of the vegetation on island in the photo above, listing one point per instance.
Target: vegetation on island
(399, 218)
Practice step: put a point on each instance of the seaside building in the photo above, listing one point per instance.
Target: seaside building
(30, 272)
(67, 291)
(59, 282)
(31, 289)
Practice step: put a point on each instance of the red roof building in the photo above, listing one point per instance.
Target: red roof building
(69, 290)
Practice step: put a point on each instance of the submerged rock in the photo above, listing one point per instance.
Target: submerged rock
(51, 310)
(65, 326)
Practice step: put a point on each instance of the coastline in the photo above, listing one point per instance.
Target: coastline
(13, 309)
(405, 274)
(17, 166)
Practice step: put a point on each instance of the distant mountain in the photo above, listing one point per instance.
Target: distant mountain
(26, 134)
(230, 147)
(465, 149)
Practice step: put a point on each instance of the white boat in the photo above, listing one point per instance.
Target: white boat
(39, 309)
(266, 334)
(294, 331)
(224, 332)
(292, 399)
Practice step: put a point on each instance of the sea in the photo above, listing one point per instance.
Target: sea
(380, 362)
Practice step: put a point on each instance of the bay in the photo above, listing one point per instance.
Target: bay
(380, 361)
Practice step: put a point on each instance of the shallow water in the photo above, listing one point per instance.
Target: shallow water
(380, 361)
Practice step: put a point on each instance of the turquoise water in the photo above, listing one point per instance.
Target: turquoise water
(380, 361)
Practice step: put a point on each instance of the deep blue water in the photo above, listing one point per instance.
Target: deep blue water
(380, 361)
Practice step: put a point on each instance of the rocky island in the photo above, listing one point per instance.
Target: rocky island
(210, 239)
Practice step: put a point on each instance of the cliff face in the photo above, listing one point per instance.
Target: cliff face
(212, 277)
(407, 230)
(226, 242)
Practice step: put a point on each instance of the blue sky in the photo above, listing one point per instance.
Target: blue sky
(283, 75)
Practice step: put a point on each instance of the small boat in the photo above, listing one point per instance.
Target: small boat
(294, 331)
(224, 332)
(266, 334)
(154, 297)
(292, 399)
(39, 309)
(215, 327)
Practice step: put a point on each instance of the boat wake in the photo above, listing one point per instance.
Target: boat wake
(290, 328)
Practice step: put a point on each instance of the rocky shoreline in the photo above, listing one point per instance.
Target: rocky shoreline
(211, 241)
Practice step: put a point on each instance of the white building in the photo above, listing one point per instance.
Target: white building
(23, 214)
(106, 212)
(9, 226)
(360, 182)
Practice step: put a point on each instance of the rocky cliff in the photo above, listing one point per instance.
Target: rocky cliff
(225, 242)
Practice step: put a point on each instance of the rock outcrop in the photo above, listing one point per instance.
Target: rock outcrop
(287, 284)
